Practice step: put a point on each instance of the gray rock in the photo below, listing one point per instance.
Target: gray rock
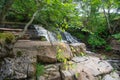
(51, 73)
(6, 50)
(17, 68)
(111, 76)
(79, 59)
(68, 75)
(94, 64)
(86, 68)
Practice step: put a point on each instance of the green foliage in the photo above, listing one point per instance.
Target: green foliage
(95, 21)
(40, 69)
(77, 75)
(96, 41)
(82, 54)
(22, 10)
(60, 57)
(58, 14)
(108, 48)
(59, 36)
(117, 36)
(80, 36)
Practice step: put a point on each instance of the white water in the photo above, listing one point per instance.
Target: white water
(51, 37)
(47, 34)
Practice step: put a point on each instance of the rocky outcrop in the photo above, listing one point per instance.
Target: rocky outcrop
(80, 68)
(45, 51)
(23, 67)
(28, 53)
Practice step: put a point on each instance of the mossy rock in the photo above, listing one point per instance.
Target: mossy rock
(7, 37)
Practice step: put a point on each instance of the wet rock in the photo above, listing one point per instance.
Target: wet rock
(51, 73)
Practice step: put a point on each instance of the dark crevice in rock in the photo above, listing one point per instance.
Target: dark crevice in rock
(60, 72)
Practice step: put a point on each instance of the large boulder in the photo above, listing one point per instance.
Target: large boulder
(46, 52)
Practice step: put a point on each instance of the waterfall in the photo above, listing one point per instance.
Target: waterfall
(47, 34)
(50, 36)
(67, 37)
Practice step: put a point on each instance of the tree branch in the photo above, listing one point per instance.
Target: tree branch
(28, 24)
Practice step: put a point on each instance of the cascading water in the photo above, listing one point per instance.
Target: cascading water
(66, 37)
(43, 32)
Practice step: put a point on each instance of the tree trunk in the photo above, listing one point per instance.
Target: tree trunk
(108, 21)
(107, 17)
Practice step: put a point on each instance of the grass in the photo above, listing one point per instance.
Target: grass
(40, 69)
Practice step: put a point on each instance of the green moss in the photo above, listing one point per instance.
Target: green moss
(7, 37)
